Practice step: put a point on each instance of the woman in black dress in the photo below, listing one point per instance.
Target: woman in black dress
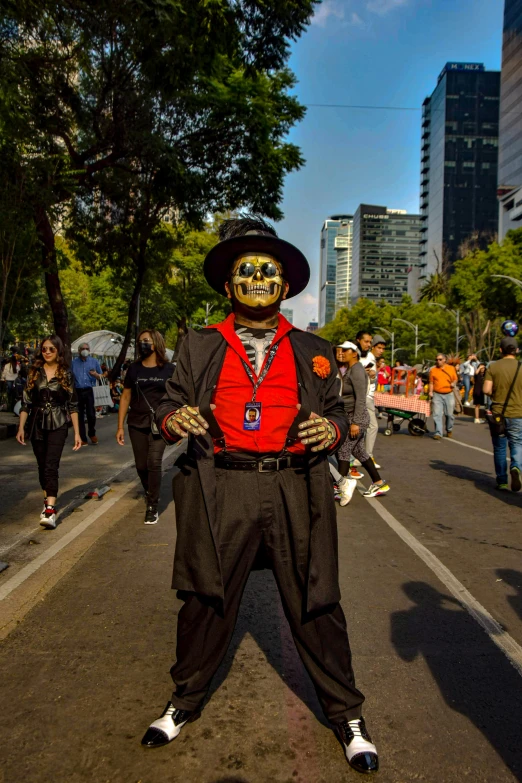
(144, 386)
(49, 404)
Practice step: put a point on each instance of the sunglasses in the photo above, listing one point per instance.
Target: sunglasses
(48, 350)
(247, 269)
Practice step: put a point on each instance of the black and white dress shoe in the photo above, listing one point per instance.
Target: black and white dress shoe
(167, 726)
(360, 752)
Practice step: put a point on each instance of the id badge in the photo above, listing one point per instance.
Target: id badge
(252, 417)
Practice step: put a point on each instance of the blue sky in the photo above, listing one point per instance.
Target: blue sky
(377, 52)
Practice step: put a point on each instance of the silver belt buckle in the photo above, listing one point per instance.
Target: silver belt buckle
(260, 465)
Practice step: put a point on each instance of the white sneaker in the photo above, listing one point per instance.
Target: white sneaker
(356, 463)
(478, 421)
(467, 404)
(42, 513)
(48, 520)
(346, 489)
(375, 464)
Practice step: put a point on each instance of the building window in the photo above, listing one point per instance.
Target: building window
(468, 164)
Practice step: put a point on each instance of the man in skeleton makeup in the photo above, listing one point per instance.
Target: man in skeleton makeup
(259, 402)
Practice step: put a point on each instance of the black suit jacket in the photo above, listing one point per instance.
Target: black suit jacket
(196, 562)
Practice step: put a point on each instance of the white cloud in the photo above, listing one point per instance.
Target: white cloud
(356, 20)
(327, 9)
(309, 299)
(383, 7)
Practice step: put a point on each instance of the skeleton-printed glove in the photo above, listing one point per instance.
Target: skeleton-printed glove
(317, 430)
(186, 420)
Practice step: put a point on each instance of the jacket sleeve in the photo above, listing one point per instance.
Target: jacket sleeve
(333, 405)
(359, 381)
(72, 403)
(176, 394)
(26, 400)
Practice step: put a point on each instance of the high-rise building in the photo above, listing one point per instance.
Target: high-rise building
(313, 326)
(459, 157)
(510, 126)
(288, 313)
(335, 248)
(385, 247)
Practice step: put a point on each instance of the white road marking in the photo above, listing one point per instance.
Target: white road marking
(467, 445)
(11, 584)
(39, 561)
(511, 649)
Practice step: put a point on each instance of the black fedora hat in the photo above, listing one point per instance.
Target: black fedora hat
(252, 234)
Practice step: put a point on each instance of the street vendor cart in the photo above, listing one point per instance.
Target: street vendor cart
(402, 404)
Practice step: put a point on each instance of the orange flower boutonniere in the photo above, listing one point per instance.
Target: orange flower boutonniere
(321, 366)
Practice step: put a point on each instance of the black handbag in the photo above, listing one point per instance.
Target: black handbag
(153, 426)
(497, 421)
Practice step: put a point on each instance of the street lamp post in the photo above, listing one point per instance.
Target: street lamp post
(456, 315)
(415, 328)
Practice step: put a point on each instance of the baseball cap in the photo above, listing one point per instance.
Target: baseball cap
(377, 340)
(347, 344)
(508, 345)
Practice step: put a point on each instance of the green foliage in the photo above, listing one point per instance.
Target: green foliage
(436, 327)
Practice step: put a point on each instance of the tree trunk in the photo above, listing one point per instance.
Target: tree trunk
(115, 371)
(52, 280)
(182, 331)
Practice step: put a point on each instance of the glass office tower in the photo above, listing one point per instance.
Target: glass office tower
(459, 159)
(510, 128)
(335, 249)
(385, 247)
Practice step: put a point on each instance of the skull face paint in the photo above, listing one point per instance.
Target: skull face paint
(257, 280)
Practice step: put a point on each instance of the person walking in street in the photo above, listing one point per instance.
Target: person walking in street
(86, 371)
(467, 374)
(503, 383)
(49, 404)
(479, 397)
(368, 360)
(252, 486)
(443, 379)
(144, 387)
(354, 393)
(9, 376)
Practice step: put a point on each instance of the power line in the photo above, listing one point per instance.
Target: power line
(353, 106)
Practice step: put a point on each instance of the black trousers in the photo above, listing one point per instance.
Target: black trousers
(269, 509)
(48, 453)
(148, 454)
(86, 407)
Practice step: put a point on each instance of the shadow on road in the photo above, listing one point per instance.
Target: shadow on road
(473, 675)
(513, 579)
(261, 615)
(483, 481)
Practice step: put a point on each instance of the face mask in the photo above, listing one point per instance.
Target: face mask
(85, 352)
(145, 349)
(257, 281)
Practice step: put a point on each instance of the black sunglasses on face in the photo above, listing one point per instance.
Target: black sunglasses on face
(247, 269)
(48, 350)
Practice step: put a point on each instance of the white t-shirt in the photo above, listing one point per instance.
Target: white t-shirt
(365, 361)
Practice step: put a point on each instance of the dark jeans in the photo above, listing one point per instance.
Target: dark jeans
(86, 407)
(513, 439)
(48, 453)
(11, 397)
(148, 454)
(269, 509)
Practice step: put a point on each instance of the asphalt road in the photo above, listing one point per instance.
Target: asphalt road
(431, 579)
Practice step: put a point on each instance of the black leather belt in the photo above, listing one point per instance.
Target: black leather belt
(263, 465)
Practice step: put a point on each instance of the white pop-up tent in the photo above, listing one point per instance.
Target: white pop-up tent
(107, 345)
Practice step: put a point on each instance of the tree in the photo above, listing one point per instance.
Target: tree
(187, 101)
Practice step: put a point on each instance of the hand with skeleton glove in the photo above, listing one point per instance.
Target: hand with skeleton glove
(187, 421)
(317, 430)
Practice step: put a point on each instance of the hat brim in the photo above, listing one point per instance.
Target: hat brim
(216, 267)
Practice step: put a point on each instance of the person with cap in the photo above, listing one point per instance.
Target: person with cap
(86, 371)
(354, 393)
(503, 383)
(368, 360)
(252, 488)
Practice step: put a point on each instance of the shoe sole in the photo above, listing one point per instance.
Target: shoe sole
(152, 523)
(516, 484)
(48, 526)
(377, 494)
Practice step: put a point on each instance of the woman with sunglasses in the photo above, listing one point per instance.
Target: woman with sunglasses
(49, 404)
(144, 386)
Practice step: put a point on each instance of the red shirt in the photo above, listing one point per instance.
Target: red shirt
(277, 394)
